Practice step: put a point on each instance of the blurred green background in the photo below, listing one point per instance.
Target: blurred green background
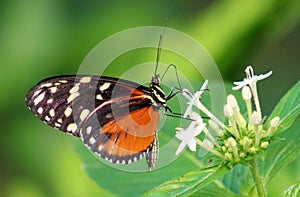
(43, 38)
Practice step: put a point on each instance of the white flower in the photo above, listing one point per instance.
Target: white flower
(250, 79)
(193, 99)
(187, 136)
(241, 138)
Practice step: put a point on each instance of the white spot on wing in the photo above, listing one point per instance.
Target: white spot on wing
(38, 99)
(50, 101)
(72, 127)
(40, 110)
(63, 81)
(47, 118)
(141, 156)
(68, 112)
(85, 80)
(46, 85)
(74, 89)
(92, 140)
(108, 115)
(100, 148)
(72, 96)
(99, 97)
(52, 112)
(53, 89)
(84, 114)
(37, 92)
(104, 86)
(59, 120)
(89, 129)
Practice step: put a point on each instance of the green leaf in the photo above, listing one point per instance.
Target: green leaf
(215, 190)
(288, 108)
(292, 191)
(239, 180)
(189, 183)
(120, 182)
(279, 154)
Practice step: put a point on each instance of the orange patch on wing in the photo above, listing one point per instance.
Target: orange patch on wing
(137, 92)
(132, 133)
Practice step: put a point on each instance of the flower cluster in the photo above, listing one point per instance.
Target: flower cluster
(242, 137)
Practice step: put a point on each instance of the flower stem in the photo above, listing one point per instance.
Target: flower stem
(209, 114)
(255, 98)
(257, 180)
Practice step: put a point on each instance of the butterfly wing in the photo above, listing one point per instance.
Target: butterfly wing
(127, 134)
(117, 114)
(64, 101)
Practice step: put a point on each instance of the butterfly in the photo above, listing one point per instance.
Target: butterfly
(115, 118)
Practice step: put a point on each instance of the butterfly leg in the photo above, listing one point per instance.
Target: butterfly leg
(152, 155)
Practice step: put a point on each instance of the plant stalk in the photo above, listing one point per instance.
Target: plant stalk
(257, 179)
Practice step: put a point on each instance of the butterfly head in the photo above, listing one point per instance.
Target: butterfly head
(156, 80)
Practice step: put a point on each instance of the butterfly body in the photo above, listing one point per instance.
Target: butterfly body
(115, 118)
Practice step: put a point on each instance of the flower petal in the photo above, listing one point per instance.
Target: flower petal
(198, 129)
(263, 76)
(195, 116)
(192, 145)
(180, 135)
(180, 147)
(193, 98)
(251, 79)
(240, 84)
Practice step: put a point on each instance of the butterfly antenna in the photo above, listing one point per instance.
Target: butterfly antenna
(158, 54)
(159, 46)
(176, 73)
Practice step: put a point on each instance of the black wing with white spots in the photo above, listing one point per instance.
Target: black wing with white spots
(116, 119)
(63, 102)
